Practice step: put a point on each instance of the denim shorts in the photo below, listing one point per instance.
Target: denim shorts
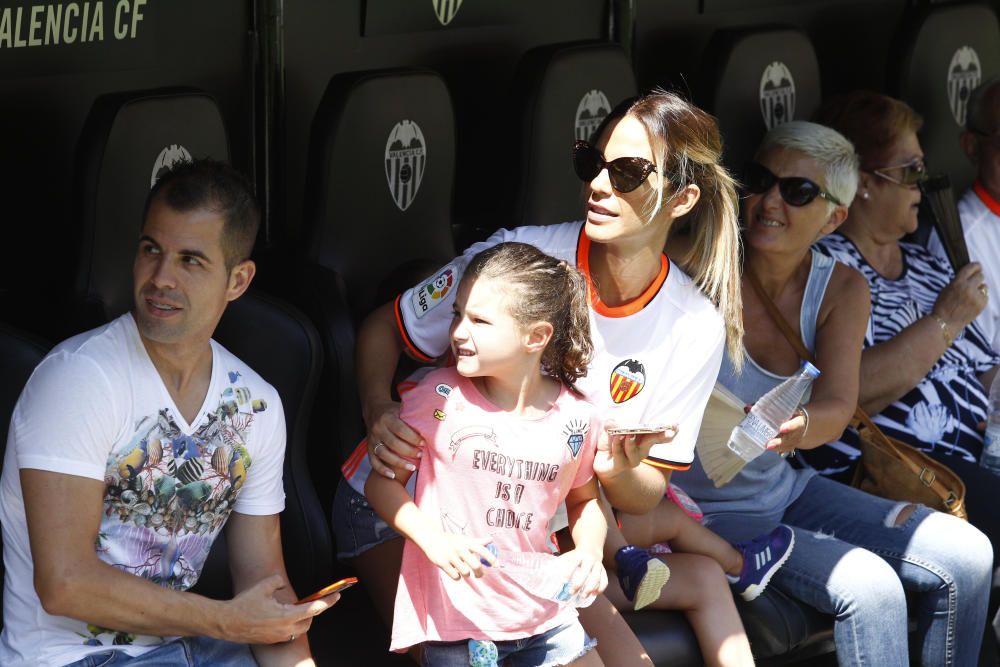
(182, 652)
(559, 646)
(356, 526)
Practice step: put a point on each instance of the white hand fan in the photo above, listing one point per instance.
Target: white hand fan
(723, 413)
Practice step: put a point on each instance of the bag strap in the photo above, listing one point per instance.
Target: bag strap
(925, 475)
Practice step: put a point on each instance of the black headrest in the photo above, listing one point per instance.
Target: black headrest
(942, 55)
(381, 174)
(127, 140)
(564, 92)
(755, 79)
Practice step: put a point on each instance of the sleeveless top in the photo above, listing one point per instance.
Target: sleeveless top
(767, 484)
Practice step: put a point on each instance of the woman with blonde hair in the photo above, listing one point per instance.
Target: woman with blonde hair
(659, 331)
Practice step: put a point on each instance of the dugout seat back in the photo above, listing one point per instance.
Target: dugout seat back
(128, 140)
(941, 55)
(282, 345)
(563, 92)
(755, 79)
(378, 195)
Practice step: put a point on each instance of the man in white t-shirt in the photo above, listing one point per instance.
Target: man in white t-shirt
(129, 449)
(979, 208)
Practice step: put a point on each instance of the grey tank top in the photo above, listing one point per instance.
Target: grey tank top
(767, 485)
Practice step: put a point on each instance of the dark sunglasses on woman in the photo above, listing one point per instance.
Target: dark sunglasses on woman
(795, 190)
(625, 173)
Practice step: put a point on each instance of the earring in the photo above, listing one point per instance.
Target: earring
(865, 195)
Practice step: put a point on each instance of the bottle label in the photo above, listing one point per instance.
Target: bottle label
(757, 428)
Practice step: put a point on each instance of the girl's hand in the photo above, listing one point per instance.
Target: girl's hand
(587, 574)
(619, 453)
(391, 441)
(459, 556)
(789, 436)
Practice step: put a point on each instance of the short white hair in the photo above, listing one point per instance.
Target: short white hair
(825, 145)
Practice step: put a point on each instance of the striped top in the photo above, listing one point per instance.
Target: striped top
(941, 413)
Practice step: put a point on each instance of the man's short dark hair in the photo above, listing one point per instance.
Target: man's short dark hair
(217, 187)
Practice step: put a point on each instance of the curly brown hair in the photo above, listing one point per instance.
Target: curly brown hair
(543, 289)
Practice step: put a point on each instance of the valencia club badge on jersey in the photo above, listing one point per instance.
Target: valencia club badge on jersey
(627, 380)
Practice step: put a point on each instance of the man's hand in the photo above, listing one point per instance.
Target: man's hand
(256, 616)
(390, 439)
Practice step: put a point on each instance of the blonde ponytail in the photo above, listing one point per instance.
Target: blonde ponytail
(687, 148)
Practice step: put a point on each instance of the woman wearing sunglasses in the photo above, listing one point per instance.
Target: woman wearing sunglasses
(927, 368)
(855, 554)
(659, 330)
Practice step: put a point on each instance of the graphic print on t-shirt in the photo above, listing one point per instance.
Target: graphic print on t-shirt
(168, 493)
(627, 380)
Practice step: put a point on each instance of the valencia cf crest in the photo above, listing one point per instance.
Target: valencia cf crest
(405, 161)
(169, 157)
(445, 10)
(964, 74)
(777, 94)
(627, 380)
(591, 110)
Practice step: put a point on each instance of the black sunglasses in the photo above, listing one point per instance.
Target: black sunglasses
(625, 173)
(795, 190)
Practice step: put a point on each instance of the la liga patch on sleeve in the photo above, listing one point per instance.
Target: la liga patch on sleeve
(431, 293)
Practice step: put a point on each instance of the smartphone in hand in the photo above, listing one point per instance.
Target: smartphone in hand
(643, 429)
(335, 587)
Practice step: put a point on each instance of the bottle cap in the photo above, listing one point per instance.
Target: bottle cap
(811, 370)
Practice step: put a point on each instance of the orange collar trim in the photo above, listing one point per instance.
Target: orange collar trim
(986, 198)
(626, 309)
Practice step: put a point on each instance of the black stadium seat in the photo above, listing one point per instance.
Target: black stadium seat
(19, 354)
(563, 92)
(940, 55)
(754, 79)
(379, 194)
(128, 139)
(277, 341)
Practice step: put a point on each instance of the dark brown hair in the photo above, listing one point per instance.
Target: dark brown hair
(873, 122)
(543, 289)
(208, 185)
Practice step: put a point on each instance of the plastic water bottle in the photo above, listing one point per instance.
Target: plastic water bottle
(990, 458)
(772, 409)
(541, 574)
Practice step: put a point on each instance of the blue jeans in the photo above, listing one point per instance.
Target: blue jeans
(356, 526)
(183, 652)
(559, 646)
(851, 561)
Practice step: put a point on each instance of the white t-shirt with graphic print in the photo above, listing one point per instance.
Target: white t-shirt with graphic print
(96, 407)
(655, 359)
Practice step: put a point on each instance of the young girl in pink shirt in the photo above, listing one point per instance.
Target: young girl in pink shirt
(509, 440)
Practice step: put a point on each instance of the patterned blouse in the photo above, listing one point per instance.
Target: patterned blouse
(941, 413)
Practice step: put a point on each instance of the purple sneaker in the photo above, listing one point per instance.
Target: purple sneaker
(762, 556)
(640, 574)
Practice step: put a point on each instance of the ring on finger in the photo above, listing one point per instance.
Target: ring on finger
(377, 445)
(291, 637)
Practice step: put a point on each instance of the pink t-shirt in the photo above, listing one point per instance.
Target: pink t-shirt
(486, 472)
